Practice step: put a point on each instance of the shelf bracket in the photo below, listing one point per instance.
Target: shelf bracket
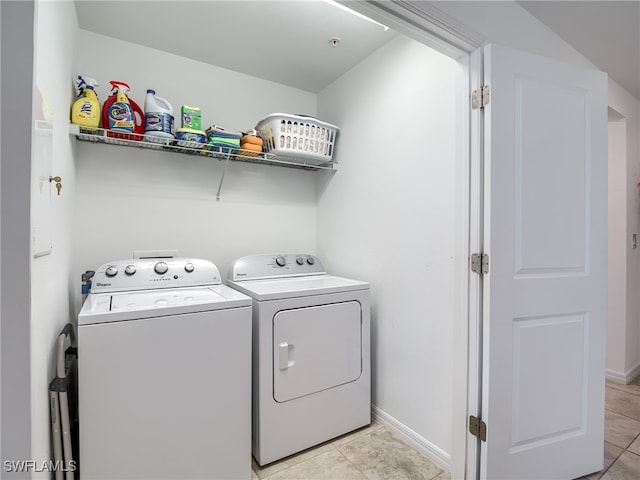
(224, 170)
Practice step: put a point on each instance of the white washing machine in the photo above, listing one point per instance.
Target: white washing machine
(311, 352)
(164, 373)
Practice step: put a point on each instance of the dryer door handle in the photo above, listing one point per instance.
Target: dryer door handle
(285, 356)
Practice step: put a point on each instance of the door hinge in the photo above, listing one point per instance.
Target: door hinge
(480, 263)
(480, 97)
(478, 428)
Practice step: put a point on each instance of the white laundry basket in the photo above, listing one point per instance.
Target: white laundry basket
(298, 136)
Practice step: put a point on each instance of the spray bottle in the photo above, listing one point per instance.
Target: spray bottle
(136, 111)
(116, 111)
(86, 109)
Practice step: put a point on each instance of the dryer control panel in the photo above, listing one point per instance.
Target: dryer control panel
(256, 267)
(146, 274)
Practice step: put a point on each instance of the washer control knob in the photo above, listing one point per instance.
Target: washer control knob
(300, 261)
(130, 269)
(311, 260)
(189, 268)
(281, 261)
(161, 268)
(111, 271)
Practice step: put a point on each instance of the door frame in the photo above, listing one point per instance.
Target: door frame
(426, 24)
(18, 21)
(470, 455)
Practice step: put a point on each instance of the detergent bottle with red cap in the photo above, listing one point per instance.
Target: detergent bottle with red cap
(120, 112)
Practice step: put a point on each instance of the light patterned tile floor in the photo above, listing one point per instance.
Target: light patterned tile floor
(622, 433)
(376, 453)
(366, 454)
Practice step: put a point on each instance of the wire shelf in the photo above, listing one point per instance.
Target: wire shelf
(101, 135)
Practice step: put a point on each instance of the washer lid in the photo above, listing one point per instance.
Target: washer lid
(274, 289)
(113, 307)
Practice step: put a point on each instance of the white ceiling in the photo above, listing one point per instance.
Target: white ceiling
(605, 32)
(288, 41)
(283, 41)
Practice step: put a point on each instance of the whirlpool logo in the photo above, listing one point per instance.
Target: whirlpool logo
(100, 284)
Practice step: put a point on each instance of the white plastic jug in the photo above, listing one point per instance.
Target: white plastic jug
(158, 116)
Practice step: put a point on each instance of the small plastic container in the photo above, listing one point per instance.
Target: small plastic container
(191, 138)
(298, 136)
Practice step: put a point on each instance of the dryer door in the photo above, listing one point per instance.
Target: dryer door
(316, 348)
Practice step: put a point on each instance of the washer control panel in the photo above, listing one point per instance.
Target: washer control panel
(146, 274)
(256, 267)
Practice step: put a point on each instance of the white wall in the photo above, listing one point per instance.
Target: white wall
(130, 199)
(618, 247)
(387, 216)
(52, 277)
(628, 109)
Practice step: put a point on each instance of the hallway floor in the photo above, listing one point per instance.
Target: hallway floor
(621, 433)
(369, 453)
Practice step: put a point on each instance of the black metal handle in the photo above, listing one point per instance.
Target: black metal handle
(69, 331)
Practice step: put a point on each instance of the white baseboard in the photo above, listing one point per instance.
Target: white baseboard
(633, 373)
(623, 378)
(615, 376)
(424, 446)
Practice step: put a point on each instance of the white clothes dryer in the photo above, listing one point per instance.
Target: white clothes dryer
(164, 373)
(311, 352)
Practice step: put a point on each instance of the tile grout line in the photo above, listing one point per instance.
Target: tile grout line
(603, 473)
(353, 464)
(329, 443)
(335, 446)
(623, 415)
(632, 441)
(635, 393)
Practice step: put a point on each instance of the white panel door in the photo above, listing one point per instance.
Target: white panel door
(545, 207)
